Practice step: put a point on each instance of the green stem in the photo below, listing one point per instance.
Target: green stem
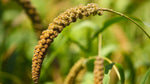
(118, 13)
(99, 44)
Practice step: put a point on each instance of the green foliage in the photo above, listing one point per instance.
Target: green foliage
(130, 68)
(107, 24)
(146, 26)
(108, 67)
(90, 65)
(107, 72)
(121, 72)
(5, 75)
(106, 79)
(88, 78)
(147, 75)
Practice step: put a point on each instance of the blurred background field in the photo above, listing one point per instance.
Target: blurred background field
(122, 42)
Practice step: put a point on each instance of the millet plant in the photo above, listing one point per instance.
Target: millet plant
(63, 20)
(58, 24)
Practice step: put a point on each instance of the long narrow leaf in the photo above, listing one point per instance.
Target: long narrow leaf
(145, 77)
(146, 31)
(108, 68)
(107, 24)
(130, 66)
(121, 71)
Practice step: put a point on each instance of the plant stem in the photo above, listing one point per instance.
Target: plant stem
(118, 13)
(99, 44)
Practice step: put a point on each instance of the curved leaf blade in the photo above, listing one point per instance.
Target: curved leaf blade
(107, 72)
(107, 24)
(108, 67)
(145, 77)
(121, 72)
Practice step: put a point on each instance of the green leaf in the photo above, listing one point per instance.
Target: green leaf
(49, 83)
(88, 78)
(146, 31)
(12, 77)
(90, 65)
(145, 25)
(145, 77)
(107, 24)
(121, 72)
(85, 25)
(108, 67)
(107, 72)
(130, 66)
(106, 50)
(106, 79)
(81, 33)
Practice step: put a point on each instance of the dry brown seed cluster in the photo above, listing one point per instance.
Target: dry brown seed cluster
(33, 15)
(56, 27)
(98, 70)
(40, 50)
(77, 67)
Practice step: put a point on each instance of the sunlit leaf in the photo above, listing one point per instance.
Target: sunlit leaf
(107, 23)
(88, 78)
(108, 49)
(49, 83)
(106, 79)
(82, 32)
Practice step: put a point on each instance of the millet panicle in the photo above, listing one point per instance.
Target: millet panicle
(60, 22)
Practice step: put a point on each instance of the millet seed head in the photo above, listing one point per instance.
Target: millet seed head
(98, 70)
(54, 28)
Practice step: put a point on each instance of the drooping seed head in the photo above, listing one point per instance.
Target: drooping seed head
(58, 24)
(33, 15)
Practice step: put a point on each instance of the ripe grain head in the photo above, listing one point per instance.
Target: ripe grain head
(60, 22)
